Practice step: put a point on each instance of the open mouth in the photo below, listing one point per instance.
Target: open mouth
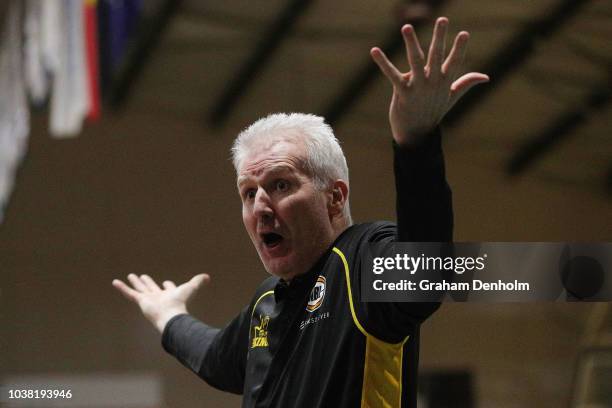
(271, 239)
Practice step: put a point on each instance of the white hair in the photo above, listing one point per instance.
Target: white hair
(324, 159)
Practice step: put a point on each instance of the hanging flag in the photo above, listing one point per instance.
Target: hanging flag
(117, 23)
(70, 96)
(14, 110)
(51, 32)
(34, 65)
(91, 46)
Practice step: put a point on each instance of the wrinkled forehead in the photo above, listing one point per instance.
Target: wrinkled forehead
(272, 153)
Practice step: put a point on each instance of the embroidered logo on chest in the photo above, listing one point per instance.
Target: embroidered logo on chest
(317, 294)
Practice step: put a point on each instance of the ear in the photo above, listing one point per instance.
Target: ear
(339, 197)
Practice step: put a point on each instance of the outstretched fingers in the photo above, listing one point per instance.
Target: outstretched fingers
(137, 283)
(416, 57)
(387, 68)
(168, 284)
(453, 64)
(437, 49)
(150, 283)
(126, 291)
(422, 96)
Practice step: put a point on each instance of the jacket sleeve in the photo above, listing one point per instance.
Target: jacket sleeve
(423, 197)
(424, 214)
(218, 356)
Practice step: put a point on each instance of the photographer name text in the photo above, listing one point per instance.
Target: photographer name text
(426, 285)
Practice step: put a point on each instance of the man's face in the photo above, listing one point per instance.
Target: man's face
(285, 215)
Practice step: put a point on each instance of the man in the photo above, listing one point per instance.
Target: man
(305, 339)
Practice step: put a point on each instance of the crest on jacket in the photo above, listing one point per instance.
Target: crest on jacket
(315, 299)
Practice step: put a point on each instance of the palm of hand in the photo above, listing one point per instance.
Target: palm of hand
(422, 96)
(152, 304)
(159, 305)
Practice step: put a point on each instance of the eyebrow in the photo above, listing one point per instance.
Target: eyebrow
(269, 171)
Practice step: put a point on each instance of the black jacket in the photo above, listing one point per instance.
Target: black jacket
(313, 343)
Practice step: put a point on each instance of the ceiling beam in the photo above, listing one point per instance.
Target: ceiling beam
(357, 85)
(148, 38)
(560, 129)
(520, 47)
(264, 50)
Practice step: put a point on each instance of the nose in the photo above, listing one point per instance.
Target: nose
(261, 207)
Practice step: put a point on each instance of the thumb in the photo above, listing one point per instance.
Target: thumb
(190, 287)
(197, 281)
(462, 85)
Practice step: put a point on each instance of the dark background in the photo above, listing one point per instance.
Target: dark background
(150, 189)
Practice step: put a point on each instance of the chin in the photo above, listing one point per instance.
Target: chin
(281, 267)
(278, 270)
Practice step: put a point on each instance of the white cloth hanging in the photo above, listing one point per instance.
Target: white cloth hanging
(34, 65)
(42, 51)
(70, 94)
(14, 110)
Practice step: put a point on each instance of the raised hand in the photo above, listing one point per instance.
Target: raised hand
(159, 305)
(422, 96)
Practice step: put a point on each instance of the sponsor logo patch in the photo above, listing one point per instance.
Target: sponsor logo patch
(315, 300)
(260, 337)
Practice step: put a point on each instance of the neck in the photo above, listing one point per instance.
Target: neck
(339, 225)
(337, 229)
